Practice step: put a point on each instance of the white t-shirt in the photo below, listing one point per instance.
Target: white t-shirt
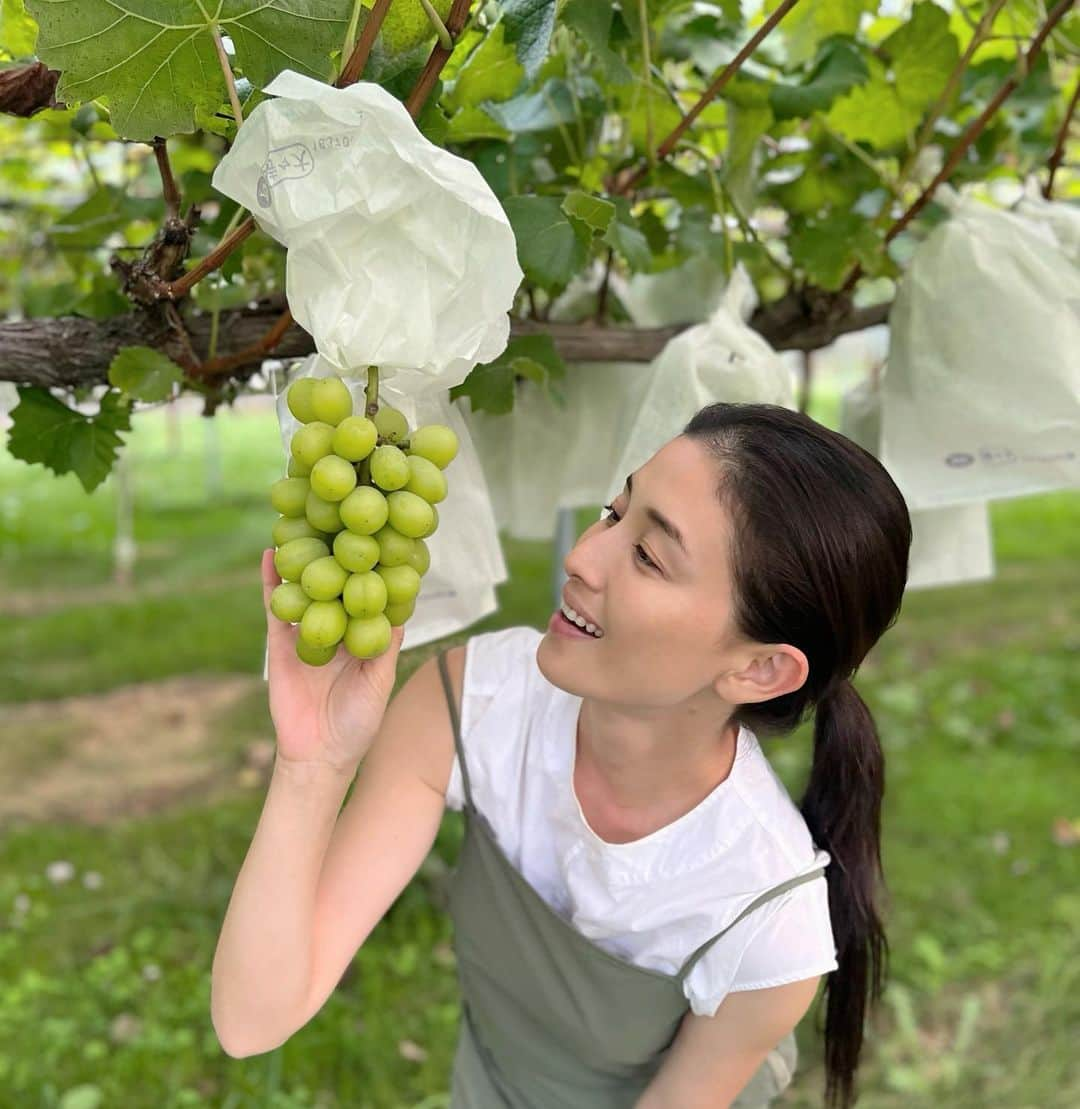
(655, 900)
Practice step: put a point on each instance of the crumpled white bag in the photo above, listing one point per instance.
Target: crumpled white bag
(540, 457)
(722, 359)
(399, 254)
(950, 545)
(981, 400)
(466, 556)
(1062, 220)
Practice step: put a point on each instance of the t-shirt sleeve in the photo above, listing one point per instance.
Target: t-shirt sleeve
(491, 660)
(792, 941)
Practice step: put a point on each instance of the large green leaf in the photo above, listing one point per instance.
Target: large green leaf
(144, 373)
(827, 249)
(492, 72)
(839, 67)
(155, 63)
(549, 250)
(874, 113)
(490, 387)
(45, 430)
(923, 54)
(529, 24)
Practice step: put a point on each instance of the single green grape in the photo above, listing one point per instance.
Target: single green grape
(420, 557)
(331, 400)
(402, 583)
(324, 578)
(333, 478)
(298, 399)
(288, 602)
(323, 623)
(312, 442)
(356, 553)
(365, 510)
(391, 423)
(410, 514)
(434, 523)
(399, 614)
(288, 494)
(394, 548)
(364, 594)
(367, 637)
(355, 438)
(389, 469)
(293, 527)
(297, 468)
(321, 514)
(314, 656)
(425, 479)
(435, 442)
(291, 558)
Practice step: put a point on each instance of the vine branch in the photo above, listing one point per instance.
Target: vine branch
(169, 188)
(1059, 147)
(626, 180)
(970, 133)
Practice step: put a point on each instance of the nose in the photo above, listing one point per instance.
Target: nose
(585, 559)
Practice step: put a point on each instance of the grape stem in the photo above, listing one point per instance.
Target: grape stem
(372, 392)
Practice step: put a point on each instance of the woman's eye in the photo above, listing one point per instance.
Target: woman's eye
(613, 518)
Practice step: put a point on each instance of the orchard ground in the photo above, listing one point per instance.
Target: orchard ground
(134, 761)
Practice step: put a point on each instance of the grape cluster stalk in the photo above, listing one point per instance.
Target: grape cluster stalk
(355, 508)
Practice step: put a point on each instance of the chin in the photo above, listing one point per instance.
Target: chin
(558, 675)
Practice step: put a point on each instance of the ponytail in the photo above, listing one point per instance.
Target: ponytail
(842, 809)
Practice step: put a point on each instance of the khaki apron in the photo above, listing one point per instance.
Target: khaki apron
(549, 1019)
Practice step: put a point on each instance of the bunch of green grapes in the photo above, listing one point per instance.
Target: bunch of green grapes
(357, 504)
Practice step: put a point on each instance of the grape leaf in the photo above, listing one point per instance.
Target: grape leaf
(593, 211)
(827, 249)
(492, 72)
(45, 430)
(549, 250)
(627, 239)
(529, 23)
(592, 22)
(874, 113)
(923, 54)
(144, 373)
(490, 387)
(156, 64)
(18, 32)
(839, 67)
(809, 24)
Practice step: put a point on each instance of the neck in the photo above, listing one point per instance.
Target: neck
(631, 766)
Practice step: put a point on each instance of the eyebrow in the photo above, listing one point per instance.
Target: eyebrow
(661, 521)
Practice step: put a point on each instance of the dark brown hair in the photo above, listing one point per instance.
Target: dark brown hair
(819, 554)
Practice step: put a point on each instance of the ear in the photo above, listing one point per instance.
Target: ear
(779, 668)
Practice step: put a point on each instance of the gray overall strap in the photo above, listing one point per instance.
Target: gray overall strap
(768, 895)
(444, 673)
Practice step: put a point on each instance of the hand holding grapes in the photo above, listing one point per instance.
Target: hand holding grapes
(330, 714)
(356, 506)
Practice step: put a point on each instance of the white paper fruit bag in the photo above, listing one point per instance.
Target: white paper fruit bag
(399, 254)
(949, 545)
(722, 359)
(982, 396)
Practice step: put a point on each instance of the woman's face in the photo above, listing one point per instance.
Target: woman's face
(664, 606)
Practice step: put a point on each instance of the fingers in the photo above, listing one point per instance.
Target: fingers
(270, 578)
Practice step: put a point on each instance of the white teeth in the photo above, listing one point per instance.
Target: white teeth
(581, 622)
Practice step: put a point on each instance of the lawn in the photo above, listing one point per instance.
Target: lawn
(108, 928)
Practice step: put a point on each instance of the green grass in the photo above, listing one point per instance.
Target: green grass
(973, 691)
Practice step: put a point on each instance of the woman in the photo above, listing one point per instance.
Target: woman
(641, 913)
